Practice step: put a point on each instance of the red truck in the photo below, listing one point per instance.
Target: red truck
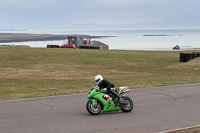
(68, 45)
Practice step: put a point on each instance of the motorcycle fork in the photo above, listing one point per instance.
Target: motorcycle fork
(94, 102)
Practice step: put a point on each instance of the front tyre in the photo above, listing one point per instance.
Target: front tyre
(128, 106)
(93, 110)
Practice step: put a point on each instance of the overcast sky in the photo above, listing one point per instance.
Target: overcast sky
(83, 14)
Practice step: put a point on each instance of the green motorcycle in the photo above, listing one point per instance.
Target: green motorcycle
(99, 101)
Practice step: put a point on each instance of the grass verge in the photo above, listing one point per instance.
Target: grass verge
(35, 72)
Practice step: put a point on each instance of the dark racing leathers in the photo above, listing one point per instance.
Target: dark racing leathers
(106, 84)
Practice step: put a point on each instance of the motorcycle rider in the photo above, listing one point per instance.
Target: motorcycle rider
(103, 83)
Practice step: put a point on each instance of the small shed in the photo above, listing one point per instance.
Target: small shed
(104, 46)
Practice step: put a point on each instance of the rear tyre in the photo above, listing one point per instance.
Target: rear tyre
(93, 110)
(128, 106)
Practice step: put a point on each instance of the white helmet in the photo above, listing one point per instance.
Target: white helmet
(98, 79)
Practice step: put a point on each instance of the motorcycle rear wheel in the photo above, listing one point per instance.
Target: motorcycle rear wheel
(93, 110)
(129, 106)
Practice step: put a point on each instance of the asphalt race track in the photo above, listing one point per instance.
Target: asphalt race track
(156, 109)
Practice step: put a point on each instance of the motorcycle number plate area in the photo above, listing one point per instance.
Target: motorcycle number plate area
(122, 89)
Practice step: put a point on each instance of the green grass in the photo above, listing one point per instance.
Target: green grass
(35, 72)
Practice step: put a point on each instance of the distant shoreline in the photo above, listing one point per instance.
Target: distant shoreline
(163, 35)
(25, 37)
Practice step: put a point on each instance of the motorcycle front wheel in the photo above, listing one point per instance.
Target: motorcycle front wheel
(128, 106)
(93, 110)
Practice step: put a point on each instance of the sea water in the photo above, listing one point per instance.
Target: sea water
(129, 39)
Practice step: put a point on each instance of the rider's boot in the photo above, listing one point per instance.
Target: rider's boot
(115, 97)
(118, 100)
(115, 101)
